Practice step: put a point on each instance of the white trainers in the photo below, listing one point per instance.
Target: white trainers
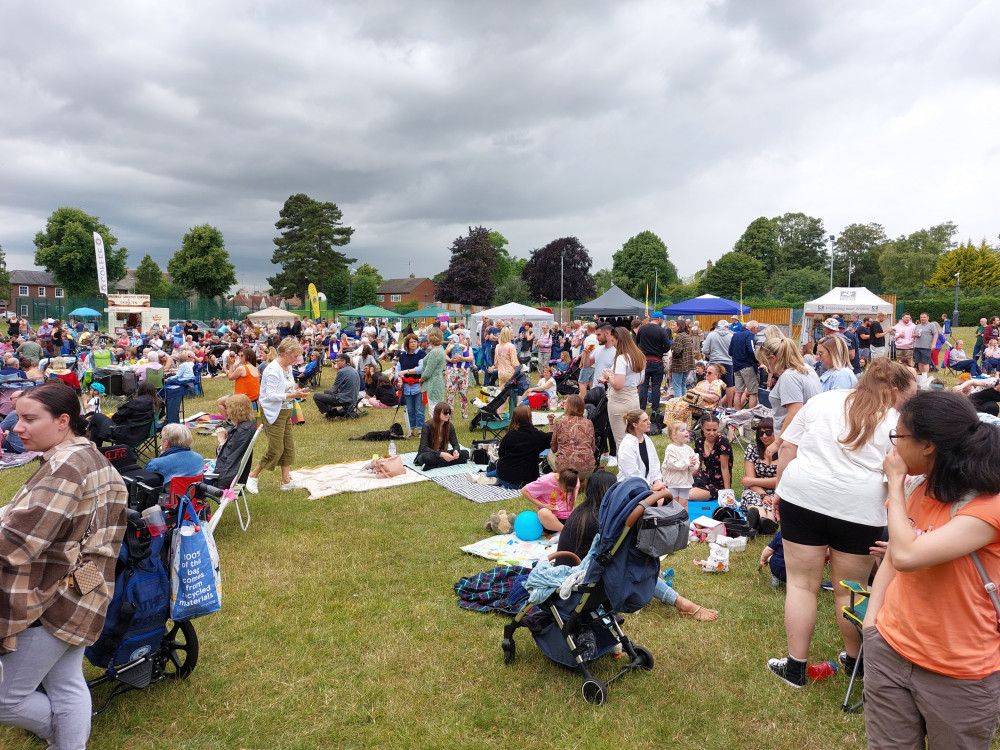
(251, 486)
(293, 485)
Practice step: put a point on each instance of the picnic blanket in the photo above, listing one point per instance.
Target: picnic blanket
(332, 479)
(541, 418)
(10, 460)
(441, 471)
(477, 493)
(507, 549)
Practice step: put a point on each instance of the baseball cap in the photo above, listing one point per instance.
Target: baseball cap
(722, 324)
(657, 315)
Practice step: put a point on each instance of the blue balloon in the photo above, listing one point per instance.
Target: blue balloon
(527, 527)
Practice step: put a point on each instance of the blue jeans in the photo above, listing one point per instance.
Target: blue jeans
(653, 380)
(500, 482)
(415, 409)
(967, 365)
(680, 383)
(664, 593)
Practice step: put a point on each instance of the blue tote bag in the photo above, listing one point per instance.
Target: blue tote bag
(195, 583)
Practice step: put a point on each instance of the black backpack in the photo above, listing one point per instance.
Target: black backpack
(736, 525)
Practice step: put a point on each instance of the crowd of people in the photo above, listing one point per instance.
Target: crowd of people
(831, 465)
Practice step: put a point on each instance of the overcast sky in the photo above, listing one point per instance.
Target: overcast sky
(538, 119)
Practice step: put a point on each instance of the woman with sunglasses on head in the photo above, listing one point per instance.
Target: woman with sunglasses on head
(932, 654)
(760, 477)
(796, 382)
(832, 497)
(437, 437)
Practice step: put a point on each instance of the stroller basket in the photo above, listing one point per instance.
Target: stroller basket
(619, 579)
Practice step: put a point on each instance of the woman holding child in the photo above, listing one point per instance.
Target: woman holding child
(832, 500)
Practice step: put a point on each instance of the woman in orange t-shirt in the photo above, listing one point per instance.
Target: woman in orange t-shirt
(931, 647)
(246, 377)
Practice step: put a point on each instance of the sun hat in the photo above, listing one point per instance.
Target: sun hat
(832, 324)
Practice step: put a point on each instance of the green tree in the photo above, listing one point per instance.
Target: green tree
(4, 276)
(603, 280)
(979, 267)
(560, 270)
(335, 286)
(306, 250)
(802, 241)
(806, 283)
(908, 262)
(512, 289)
(365, 290)
(507, 264)
(409, 306)
(638, 262)
(66, 250)
(724, 278)
(366, 269)
(760, 242)
(859, 245)
(149, 278)
(202, 263)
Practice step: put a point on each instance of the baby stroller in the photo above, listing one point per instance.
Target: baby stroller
(568, 383)
(139, 644)
(596, 408)
(490, 413)
(619, 579)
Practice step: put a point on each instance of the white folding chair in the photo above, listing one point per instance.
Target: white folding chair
(235, 493)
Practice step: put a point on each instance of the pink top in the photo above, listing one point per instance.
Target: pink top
(546, 489)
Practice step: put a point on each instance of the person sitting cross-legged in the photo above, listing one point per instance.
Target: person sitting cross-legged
(333, 402)
(436, 438)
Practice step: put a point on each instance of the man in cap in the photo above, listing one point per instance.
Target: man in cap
(745, 379)
(654, 342)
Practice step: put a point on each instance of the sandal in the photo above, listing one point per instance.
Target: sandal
(701, 614)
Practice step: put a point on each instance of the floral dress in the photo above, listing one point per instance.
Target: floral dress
(749, 498)
(709, 477)
(677, 409)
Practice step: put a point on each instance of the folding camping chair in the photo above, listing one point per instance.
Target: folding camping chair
(178, 488)
(236, 493)
(147, 446)
(854, 613)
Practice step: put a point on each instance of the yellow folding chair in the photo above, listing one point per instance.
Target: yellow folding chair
(854, 613)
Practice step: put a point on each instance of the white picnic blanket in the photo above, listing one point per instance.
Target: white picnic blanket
(332, 479)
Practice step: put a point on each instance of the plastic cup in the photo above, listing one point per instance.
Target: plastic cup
(155, 521)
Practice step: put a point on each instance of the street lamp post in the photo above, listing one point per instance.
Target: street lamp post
(562, 263)
(831, 262)
(954, 314)
(850, 271)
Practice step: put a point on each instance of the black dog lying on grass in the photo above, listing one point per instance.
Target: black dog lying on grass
(395, 432)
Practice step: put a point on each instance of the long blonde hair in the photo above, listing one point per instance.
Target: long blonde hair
(505, 335)
(786, 356)
(867, 405)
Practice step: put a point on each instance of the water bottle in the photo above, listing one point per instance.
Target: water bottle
(821, 670)
(392, 447)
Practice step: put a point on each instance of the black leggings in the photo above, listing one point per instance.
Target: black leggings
(433, 460)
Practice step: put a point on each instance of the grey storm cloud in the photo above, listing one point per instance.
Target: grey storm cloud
(539, 119)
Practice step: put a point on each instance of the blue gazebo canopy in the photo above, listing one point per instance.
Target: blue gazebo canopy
(707, 304)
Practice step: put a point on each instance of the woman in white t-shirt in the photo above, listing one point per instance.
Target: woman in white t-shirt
(546, 384)
(796, 384)
(624, 379)
(832, 497)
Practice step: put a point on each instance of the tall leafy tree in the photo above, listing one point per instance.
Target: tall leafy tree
(806, 283)
(364, 290)
(202, 263)
(4, 276)
(760, 242)
(470, 274)
(802, 241)
(512, 289)
(724, 278)
(639, 261)
(507, 265)
(908, 262)
(562, 265)
(366, 269)
(306, 250)
(979, 266)
(66, 250)
(149, 278)
(603, 279)
(859, 245)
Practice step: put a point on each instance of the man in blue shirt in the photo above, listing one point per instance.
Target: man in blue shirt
(745, 379)
(945, 324)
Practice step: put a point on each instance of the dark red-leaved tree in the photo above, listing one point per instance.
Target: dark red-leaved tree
(542, 271)
(469, 278)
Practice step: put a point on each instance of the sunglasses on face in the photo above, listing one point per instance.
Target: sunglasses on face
(765, 432)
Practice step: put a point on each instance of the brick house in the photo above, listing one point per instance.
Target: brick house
(393, 292)
(28, 286)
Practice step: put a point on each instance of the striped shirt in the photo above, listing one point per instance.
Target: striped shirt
(75, 488)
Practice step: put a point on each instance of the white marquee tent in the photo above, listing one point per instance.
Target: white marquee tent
(843, 300)
(512, 313)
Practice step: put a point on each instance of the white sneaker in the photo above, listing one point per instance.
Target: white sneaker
(251, 486)
(293, 485)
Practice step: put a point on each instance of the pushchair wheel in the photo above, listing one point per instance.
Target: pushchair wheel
(178, 652)
(643, 658)
(594, 691)
(509, 650)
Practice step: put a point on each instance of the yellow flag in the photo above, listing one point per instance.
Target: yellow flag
(647, 300)
(314, 301)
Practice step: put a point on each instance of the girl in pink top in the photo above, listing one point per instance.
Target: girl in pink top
(555, 496)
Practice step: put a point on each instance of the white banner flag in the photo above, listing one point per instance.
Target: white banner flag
(102, 269)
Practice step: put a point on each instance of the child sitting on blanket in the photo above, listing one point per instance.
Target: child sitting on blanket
(384, 395)
(555, 496)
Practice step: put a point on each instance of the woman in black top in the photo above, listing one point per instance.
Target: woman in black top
(130, 424)
(518, 455)
(435, 440)
(233, 443)
(580, 528)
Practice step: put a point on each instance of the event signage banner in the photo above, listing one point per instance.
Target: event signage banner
(128, 300)
(314, 301)
(102, 268)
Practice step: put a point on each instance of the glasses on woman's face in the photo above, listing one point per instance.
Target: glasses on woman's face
(765, 432)
(446, 413)
(894, 436)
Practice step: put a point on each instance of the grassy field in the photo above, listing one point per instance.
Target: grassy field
(340, 629)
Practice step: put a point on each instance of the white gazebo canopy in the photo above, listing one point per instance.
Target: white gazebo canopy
(272, 313)
(515, 314)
